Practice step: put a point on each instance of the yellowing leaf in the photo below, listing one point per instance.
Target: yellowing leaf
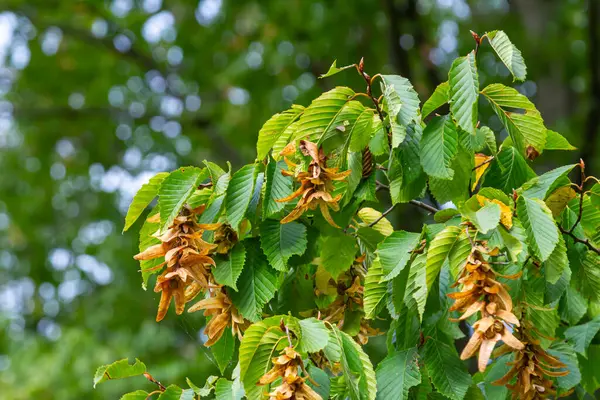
(505, 211)
(482, 163)
(559, 199)
(369, 215)
(324, 282)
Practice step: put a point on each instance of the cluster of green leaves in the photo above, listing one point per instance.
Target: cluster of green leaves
(275, 274)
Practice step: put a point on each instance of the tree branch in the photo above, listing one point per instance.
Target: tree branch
(382, 216)
(420, 204)
(578, 240)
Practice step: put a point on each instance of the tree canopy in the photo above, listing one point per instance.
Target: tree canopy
(99, 96)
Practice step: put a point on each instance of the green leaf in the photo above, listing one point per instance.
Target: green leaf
(281, 241)
(557, 262)
(497, 194)
(415, 296)
(343, 127)
(252, 212)
(395, 252)
(445, 215)
(497, 370)
(396, 374)
(555, 141)
(137, 395)
(375, 290)
(322, 379)
(508, 53)
(519, 116)
(447, 372)
(397, 292)
(508, 171)
(392, 106)
(379, 142)
(334, 70)
(590, 369)
(544, 318)
(256, 350)
(239, 194)
(590, 217)
(357, 368)
(464, 92)
(573, 305)
(489, 140)
(208, 387)
(581, 335)
(566, 354)
(594, 195)
(484, 218)
(438, 98)
(438, 252)
(458, 254)
(439, 146)
(214, 171)
(174, 191)
(338, 253)
(360, 132)
(277, 187)
(147, 267)
(591, 275)
(315, 335)
(200, 197)
(142, 198)
(369, 215)
(542, 186)
(257, 283)
(228, 390)
(319, 118)
(119, 370)
(273, 128)
(284, 139)
(355, 177)
(542, 233)
(174, 392)
(556, 290)
(457, 188)
(229, 267)
(409, 99)
(405, 173)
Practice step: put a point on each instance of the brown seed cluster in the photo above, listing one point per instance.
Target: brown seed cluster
(350, 293)
(188, 262)
(534, 369)
(482, 293)
(293, 386)
(316, 184)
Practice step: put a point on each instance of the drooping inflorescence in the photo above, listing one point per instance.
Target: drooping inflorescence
(316, 184)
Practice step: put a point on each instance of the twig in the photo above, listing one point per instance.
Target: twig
(381, 186)
(469, 236)
(489, 160)
(151, 379)
(424, 206)
(369, 80)
(581, 192)
(382, 216)
(578, 240)
(287, 332)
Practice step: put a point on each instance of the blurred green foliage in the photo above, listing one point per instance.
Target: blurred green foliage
(96, 96)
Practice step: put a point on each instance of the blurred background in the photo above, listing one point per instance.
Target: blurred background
(97, 96)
